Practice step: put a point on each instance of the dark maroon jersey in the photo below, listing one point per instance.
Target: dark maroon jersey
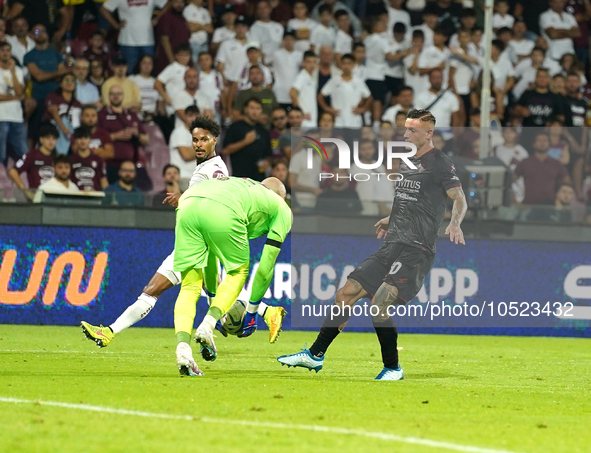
(88, 171)
(38, 166)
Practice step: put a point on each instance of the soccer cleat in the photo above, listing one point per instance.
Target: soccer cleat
(102, 336)
(204, 337)
(185, 362)
(220, 328)
(274, 319)
(302, 359)
(389, 374)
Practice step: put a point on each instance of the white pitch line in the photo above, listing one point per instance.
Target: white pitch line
(257, 424)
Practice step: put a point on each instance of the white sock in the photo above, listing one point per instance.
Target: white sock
(262, 309)
(252, 308)
(209, 322)
(134, 313)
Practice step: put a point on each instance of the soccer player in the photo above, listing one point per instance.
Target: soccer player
(218, 217)
(209, 166)
(406, 255)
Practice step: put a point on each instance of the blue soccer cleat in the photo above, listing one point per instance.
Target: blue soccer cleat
(302, 359)
(390, 374)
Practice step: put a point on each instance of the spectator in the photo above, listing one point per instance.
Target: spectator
(286, 65)
(86, 92)
(247, 142)
(278, 128)
(132, 97)
(430, 20)
(468, 137)
(280, 170)
(339, 198)
(191, 95)
(172, 176)
(265, 31)
(136, 36)
(557, 86)
(501, 70)
(326, 66)
(60, 183)
(305, 179)
(448, 15)
(443, 104)
(38, 162)
(564, 197)
(397, 15)
(562, 210)
(501, 18)
(265, 96)
(343, 41)
(575, 133)
(124, 191)
(211, 82)
(394, 71)
(182, 154)
(539, 105)
(295, 119)
(21, 42)
(172, 80)
(12, 91)
(97, 74)
(323, 34)
(559, 148)
(350, 96)
(225, 32)
(375, 193)
(46, 66)
(280, 11)
(100, 140)
(127, 133)
(511, 153)
(142, 76)
(531, 12)
(33, 11)
(172, 30)
(412, 76)
(461, 68)
(305, 88)
(96, 49)
(558, 29)
(359, 70)
(335, 6)
(541, 174)
(232, 54)
(527, 69)
(580, 9)
(436, 57)
(302, 25)
(467, 21)
(63, 109)
(520, 46)
(254, 56)
(89, 171)
(200, 25)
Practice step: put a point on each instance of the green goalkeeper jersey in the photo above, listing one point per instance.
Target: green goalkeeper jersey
(263, 210)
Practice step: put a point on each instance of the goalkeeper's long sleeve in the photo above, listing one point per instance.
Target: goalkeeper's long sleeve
(264, 274)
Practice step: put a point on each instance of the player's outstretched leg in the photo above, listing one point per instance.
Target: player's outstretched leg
(387, 333)
(102, 336)
(228, 292)
(185, 362)
(313, 359)
(184, 316)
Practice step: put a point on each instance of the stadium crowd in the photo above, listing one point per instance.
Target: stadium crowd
(110, 88)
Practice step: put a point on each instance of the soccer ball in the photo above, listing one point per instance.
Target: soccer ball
(232, 320)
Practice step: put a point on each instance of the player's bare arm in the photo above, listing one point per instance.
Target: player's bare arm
(382, 227)
(458, 212)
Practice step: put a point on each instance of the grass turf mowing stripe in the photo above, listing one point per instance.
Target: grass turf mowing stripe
(315, 428)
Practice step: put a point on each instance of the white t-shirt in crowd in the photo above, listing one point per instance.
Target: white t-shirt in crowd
(150, 96)
(376, 48)
(427, 32)
(285, 69)
(346, 96)
(322, 36)
(307, 177)
(181, 137)
(418, 82)
(359, 71)
(137, 14)
(11, 111)
(232, 54)
(343, 43)
(18, 49)
(433, 56)
(307, 86)
(183, 99)
(442, 109)
(520, 49)
(173, 79)
(396, 68)
(197, 15)
(242, 76)
(511, 156)
(212, 83)
(268, 34)
(563, 21)
(499, 21)
(464, 71)
(222, 34)
(391, 112)
(397, 15)
(502, 70)
(296, 24)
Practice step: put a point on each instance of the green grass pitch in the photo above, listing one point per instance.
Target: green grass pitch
(461, 393)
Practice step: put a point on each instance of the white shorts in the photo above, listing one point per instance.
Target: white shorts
(166, 270)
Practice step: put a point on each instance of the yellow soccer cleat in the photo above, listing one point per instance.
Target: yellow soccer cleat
(274, 319)
(102, 336)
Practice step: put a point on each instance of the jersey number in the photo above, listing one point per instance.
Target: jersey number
(395, 267)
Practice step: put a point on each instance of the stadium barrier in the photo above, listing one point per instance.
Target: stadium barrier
(62, 275)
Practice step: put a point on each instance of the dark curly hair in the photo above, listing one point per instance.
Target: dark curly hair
(205, 122)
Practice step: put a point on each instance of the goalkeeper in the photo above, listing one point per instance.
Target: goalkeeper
(220, 216)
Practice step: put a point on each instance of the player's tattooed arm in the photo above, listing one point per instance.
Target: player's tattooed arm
(458, 212)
